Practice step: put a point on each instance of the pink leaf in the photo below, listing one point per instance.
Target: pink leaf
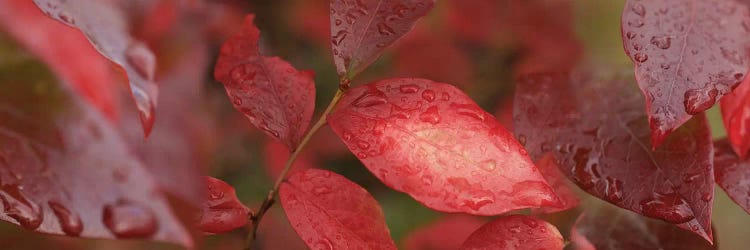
(598, 132)
(447, 233)
(65, 170)
(735, 109)
(330, 212)
(362, 29)
(608, 227)
(515, 232)
(221, 211)
(272, 94)
(433, 142)
(732, 174)
(107, 28)
(687, 55)
(65, 50)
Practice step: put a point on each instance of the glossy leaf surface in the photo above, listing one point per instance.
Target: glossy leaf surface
(330, 212)
(65, 170)
(221, 211)
(732, 174)
(107, 27)
(562, 186)
(448, 233)
(65, 50)
(735, 109)
(607, 227)
(515, 232)
(433, 142)
(362, 29)
(598, 132)
(272, 94)
(687, 55)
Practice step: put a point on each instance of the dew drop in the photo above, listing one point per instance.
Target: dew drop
(430, 115)
(613, 189)
(488, 165)
(514, 229)
(732, 56)
(321, 190)
(699, 100)
(323, 244)
(363, 145)
(142, 60)
(428, 95)
(522, 140)
(65, 17)
(338, 22)
(17, 206)
(408, 88)
(385, 30)
(670, 207)
(630, 35)
(640, 57)
(706, 197)
(339, 37)
(636, 23)
(639, 9)
(70, 223)
(372, 97)
(126, 220)
(583, 171)
(662, 42)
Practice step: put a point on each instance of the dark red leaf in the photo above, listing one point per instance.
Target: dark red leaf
(447, 233)
(221, 211)
(362, 29)
(272, 94)
(515, 232)
(65, 50)
(427, 54)
(433, 142)
(478, 20)
(735, 109)
(330, 212)
(276, 156)
(309, 18)
(607, 227)
(598, 132)
(107, 28)
(732, 174)
(65, 170)
(687, 55)
(559, 183)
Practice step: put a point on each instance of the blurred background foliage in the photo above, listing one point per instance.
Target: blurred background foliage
(480, 46)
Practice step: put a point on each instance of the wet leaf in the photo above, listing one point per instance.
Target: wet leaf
(107, 27)
(448, 233)
(65, 170)
(330, 212)
(433, 142)
(362, 29)
(67, 52)
(273, 95)
(606, 227)
(515, 232)
(598, 132)
(735, 109)
(221, 211)
(732, 174)
(561, 185)
(687, 55)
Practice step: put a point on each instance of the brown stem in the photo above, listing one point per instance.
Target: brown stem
(269, 201)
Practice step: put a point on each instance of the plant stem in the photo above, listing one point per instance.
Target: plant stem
(268, 202)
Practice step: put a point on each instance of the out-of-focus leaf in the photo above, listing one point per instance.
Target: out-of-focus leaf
(427, 54)
(276, 156)
(433, 142)
(515, 232)
(107, 28)
(362, 29)
(447, 233)
(221, 211)
(732, 174)
(598, 132)
(687, 55)
(273, 95)
(330, 212)
(735, 109)
(603, 226)
(67, 52)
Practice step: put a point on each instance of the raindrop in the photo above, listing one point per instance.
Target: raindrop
(488, 165)
(363, 145)
(636, 23)
(699, 100)
(17, 206)
(323, 244)
(640, 57)
(321, 190)
(142, 60)
(639, 9)
(385, 30)
(339, 37)
(70, 223)
(408, 88)
(630, 35)
(662, 42)
(514, 229)
(338, 22)
(522, 140)
(430, 115)
(371, 97)
(613, 189)
(126, 220)
(670, 207)
(65, 17)
(583, 172)
(428, 95)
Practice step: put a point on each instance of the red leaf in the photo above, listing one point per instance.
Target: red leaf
(65, 170)
(433, 142)
(515, 232)
(478, 20)
(559, 183)
(362, 29)
(598, 132)
(608, 227)
(448, 233)
(272, 94)
(106, 27)
(687, 55)
(65, 50)
(429, 55)
(732, 174)
(735, 109)
(309, 18)
(330, 212)
(221, 211)
(276, 156)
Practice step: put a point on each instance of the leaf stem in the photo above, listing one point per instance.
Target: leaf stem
(269, 201)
